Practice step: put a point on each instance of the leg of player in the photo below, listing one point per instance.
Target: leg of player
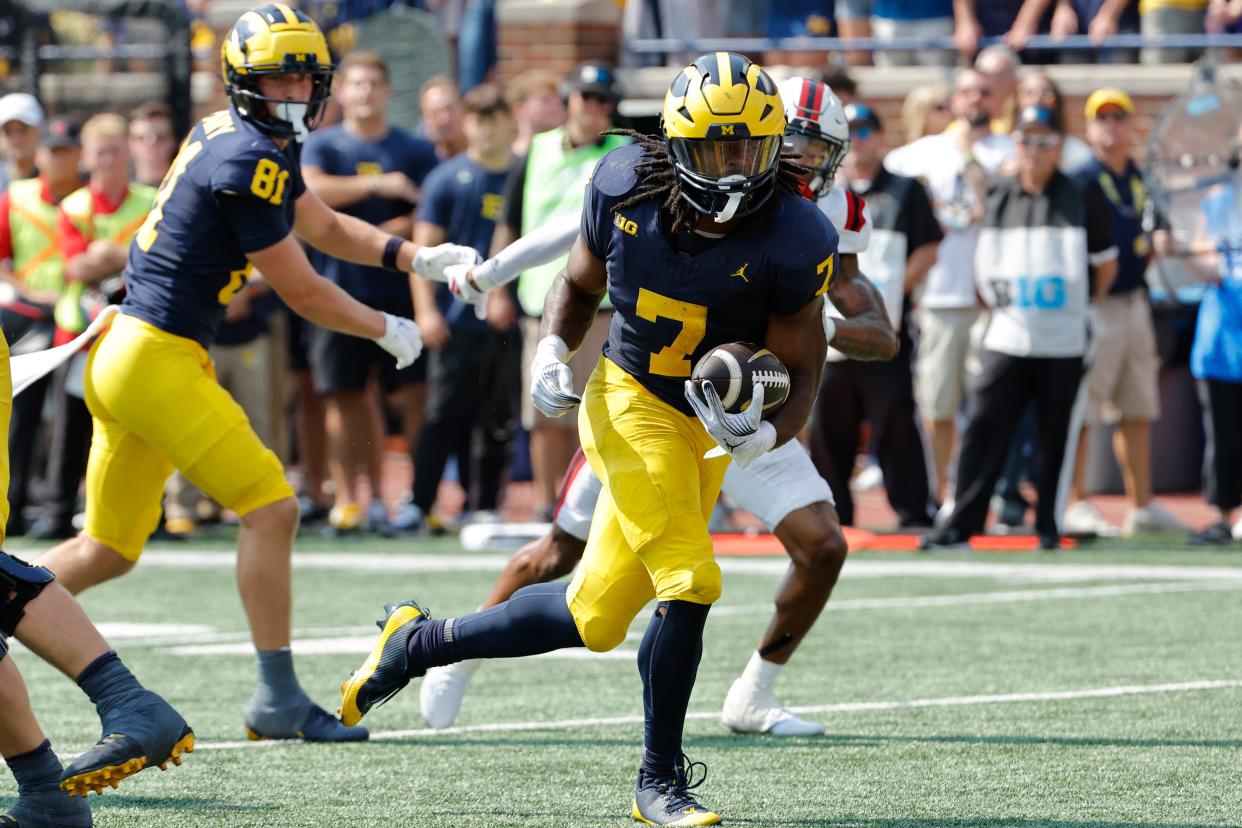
(279, 708)
(812, 537)
(535, 620)
(40, 801)
(140, 729)
(546, 559)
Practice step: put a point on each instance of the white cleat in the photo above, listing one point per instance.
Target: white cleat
(442, 691)
(747, 710)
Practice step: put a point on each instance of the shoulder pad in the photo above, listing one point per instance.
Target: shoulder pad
(800, 231)
(238, 165)
(614, 174)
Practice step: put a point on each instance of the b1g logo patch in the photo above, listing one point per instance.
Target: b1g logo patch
(630, 227)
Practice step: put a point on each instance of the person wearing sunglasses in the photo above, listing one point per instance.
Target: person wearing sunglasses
(1046, 249)
(152, 142)
(1121, 381)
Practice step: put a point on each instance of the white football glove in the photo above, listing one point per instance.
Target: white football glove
(430, 262)
(745, 435)
(552, 383)
(455, 275)
(401, 339)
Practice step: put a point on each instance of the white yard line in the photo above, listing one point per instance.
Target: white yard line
(843, 707)
(402, 562)
(1009, 597)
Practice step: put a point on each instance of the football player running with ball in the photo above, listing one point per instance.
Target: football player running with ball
(233, 200)
(781, 487)
(701, 238)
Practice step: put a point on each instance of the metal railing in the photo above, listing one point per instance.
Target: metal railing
(1077, 43)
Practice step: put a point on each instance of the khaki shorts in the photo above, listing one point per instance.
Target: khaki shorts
(1121, 380)
(582, 364)
(940, 365)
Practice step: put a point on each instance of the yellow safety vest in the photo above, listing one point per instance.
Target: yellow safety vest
(37, 260)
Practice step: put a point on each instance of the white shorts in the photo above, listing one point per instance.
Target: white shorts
(776, 484)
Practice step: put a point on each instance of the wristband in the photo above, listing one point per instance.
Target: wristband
(389, 260)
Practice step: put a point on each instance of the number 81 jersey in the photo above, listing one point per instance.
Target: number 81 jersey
(669, 308)
(230, 191)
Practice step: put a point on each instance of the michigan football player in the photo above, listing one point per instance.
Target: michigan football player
(232, 201)
(700, 237)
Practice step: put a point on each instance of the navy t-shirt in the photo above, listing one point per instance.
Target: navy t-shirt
(1127, 199)
(230, 191)
(336, 152)
(669, 308)
(466, 201)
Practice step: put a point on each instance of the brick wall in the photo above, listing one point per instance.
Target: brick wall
(555, 35)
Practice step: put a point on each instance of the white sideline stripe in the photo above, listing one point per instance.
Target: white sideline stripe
(843, 707)
(1016, 596)
(399, 562)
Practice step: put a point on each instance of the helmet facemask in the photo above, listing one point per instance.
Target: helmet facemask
(726, 177)
(292, 119)
(820, 153)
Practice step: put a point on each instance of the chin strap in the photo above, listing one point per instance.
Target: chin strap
(294, 114)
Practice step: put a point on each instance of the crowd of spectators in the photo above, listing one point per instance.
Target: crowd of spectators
(983, 175)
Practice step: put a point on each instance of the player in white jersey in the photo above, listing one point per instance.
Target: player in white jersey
(782, 488)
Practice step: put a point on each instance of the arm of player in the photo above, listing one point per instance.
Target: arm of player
(567, 315)
(471, 284)
(798, 341)
(315, 298)
(353, 240)
(865, 333)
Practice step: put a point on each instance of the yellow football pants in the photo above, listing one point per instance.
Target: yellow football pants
(649, 535)
(156, 405)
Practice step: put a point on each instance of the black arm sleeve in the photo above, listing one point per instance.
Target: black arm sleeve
(924, 228)
(1099, 220)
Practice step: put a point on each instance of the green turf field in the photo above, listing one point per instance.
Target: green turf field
(1091, 689)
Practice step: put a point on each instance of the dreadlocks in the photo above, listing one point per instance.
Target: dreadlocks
(657, 178)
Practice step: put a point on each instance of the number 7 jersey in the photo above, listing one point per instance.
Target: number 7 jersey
(230, 191)
(669, 308)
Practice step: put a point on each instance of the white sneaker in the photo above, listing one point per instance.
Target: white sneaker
(746, 710)
(1150, 518)
(442, 691)
(1237, 530)
(1084, 519)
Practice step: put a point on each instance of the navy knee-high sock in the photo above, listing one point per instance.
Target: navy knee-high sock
(668, 661)
(535, 619)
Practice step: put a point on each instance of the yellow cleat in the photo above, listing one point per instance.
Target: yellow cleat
(386, 670)
(346, 518)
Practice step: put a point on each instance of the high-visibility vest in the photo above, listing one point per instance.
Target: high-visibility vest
(37, 260)
(555, 187)
(118, 226)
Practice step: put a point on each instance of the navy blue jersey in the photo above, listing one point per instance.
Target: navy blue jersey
(1127, 198)
(466, 201)
(336, 152)
(230, 191)
(671, 309)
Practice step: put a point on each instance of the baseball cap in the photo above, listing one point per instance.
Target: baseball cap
(18, 106)
(1035, 115)
(1108, 96)
(59, 132)
(859, 114)
(594, 77)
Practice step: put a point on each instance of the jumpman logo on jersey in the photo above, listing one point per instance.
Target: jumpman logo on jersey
(741, 273)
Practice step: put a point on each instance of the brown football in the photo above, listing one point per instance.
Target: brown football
(734, 368)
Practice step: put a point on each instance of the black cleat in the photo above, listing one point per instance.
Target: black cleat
(669, 801)
(386, 670)
(146, 731)
(948, 537)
